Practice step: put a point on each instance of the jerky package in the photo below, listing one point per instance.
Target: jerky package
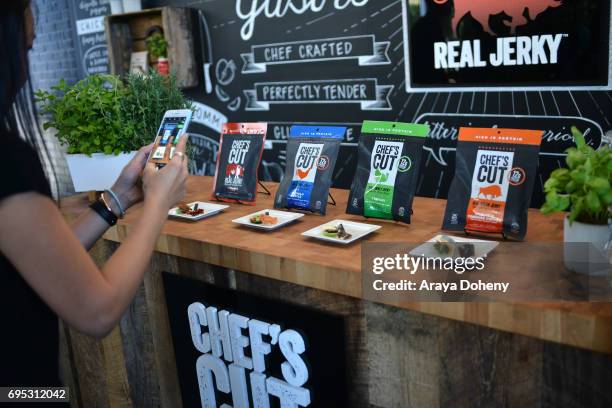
(311, 157)
(494, 178)
(387, 170)
(240, 152)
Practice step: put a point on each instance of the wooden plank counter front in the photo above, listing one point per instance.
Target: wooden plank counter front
(287, 256)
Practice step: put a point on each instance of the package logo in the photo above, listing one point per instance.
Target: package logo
(306, 161)
(405, 164)
(323, 163)
(384, 165)
(517, 176)
(234, 172)
(306, 166)
(490, 184)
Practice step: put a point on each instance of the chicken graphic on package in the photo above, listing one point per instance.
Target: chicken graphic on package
(518, 12)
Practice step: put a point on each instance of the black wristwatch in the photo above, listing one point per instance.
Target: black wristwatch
(103, 211)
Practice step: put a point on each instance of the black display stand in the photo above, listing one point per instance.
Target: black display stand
(266, 191)
(333, 201)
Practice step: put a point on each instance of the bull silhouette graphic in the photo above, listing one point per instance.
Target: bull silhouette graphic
(490, 192)
(520, 12)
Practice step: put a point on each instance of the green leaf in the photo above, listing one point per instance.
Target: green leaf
(599, 184)
(561, 174)
(578, 137)
(576, 209)
(564, 203)
(552, 199)
(593, 203)
(551, 185)
(579, 177)
(547, 209)
(574, 158)
(607, 198)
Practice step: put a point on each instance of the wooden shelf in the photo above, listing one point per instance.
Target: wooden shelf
(126, 33)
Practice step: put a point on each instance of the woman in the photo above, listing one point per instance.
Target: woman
(45, 270)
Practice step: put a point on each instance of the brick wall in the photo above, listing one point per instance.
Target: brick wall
(54, 57)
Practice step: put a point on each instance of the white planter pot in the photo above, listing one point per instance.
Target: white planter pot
(98, 172)
(579, 258)
(116, 6)
(129, 6)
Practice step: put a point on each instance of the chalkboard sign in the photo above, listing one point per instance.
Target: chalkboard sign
(90, 39)
(339, 62)
(510, 44)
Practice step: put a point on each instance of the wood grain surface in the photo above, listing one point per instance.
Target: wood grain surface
(287, 256)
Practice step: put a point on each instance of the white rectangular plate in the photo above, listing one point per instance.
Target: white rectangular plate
(358, 230)
(284, 218)
(210, 209)
(482, 248)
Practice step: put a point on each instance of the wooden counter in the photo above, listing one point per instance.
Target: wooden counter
(287, 256)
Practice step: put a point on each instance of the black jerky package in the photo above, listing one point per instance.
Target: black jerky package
(240, 152)
(387, 170)
(494, 178)
(311, 157)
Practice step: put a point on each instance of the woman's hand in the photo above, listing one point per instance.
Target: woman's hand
(167, 187)
(128, 187)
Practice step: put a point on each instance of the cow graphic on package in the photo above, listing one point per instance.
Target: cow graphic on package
(491, 192)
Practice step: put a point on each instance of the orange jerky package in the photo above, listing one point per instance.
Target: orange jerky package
(494, 178)
(240, 152)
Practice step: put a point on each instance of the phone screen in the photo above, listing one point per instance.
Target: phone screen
(170, 131)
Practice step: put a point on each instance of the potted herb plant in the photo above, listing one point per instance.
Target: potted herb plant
(583, 189)
(103, 120)
(158, 51)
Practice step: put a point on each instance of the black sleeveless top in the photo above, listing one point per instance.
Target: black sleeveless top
(29, 328)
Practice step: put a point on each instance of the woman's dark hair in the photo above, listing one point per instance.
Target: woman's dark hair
(18, 116)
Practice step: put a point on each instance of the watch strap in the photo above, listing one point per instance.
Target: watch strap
(107, 215)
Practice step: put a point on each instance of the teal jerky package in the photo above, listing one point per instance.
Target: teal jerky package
(311, 157)
(387, 170)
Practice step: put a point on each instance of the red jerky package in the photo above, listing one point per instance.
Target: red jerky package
(494, 178)
(240, 153)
